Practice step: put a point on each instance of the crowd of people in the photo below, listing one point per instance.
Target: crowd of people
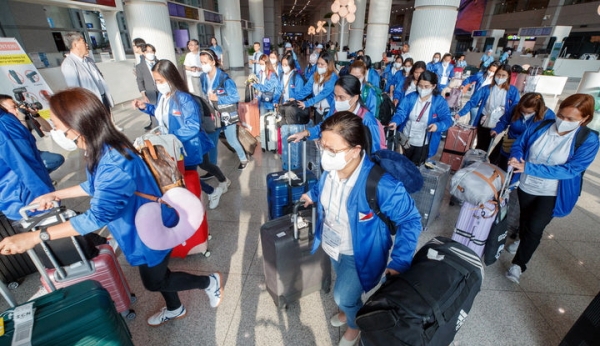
(549, 152)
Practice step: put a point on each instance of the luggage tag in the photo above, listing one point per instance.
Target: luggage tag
(23, 324)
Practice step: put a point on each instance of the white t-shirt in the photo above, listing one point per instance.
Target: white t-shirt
(415, 130)
(192, 60)
(322, 105)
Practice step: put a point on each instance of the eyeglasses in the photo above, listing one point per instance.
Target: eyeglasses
(329, 151)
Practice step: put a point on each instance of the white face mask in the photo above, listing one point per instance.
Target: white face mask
(436, 59)
(333, 163)
(286, 69)
(424, 92)
(407, 68)
(163, 88)
(61, 139)
(527, 116)
(445, 64)
(500, 81)
(273, 61)
(397, 65)
(150, 56)
(262, 67)
(206, 68)
(321, 70)
(566, 126)
(341, 106)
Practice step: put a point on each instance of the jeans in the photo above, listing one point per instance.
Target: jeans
(536, 214)
(160, 278)
(203, 185)
(347, 291)
(213, 154)
(232, 139)
(212, 168)
(51, 160)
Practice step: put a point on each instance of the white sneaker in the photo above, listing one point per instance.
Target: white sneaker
(164, 316)
(512, 248)
(514, 273)
(225, 185)
(214, 291)
(214, 198)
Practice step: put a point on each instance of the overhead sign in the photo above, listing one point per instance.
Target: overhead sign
(20, 76)
(540, 31)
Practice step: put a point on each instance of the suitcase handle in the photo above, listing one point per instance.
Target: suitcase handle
(289, 144)
(297, 206)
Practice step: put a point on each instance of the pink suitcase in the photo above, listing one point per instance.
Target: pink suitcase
(474, 224)
(104, 269)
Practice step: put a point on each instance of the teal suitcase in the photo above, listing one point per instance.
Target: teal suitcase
(82, 314)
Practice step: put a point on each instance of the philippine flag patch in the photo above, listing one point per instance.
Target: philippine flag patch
(365, 217)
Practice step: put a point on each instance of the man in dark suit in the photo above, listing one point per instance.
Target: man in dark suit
(145, 81)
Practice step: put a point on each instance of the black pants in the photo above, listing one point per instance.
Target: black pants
(536, 214)
(160, 279)
(484, 138)
(418, 155)
(209, 167)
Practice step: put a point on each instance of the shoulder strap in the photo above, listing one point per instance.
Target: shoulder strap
(582, 135)
(543, 123)
(371, 192)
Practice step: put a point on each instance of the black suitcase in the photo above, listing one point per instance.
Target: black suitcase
(428, 303)
(291, 271)
(586, 330)
(15, 267)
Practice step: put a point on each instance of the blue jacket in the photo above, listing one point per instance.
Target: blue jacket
(392, 77)
(23, 176)
(309, 70)
(227, 94)
(569, 174)
(368, 120)
(439, 114)
(271, 84)
(487, 60)
(399, 92)
(519, 126)
(326, 93)
(184, 123)
(114, 204)
(477, 78)
(371, 98)
(430, 66)
(438, 69)
(480, 98)
(371, 239)
(295, 84)
(373, 77)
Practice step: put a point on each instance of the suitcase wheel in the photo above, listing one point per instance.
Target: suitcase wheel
(129, 315)
(13, 285)
(206, 254)
(133, 298)
(209, 236)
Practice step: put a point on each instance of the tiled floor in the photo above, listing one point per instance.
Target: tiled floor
(563, 277)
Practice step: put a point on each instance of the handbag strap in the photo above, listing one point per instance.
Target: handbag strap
(151, 197)
(423, 111)
(151, 149)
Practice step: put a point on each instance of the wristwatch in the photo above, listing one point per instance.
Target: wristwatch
(44, 236)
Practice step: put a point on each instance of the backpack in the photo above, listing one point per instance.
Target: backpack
(208, 119)
(387, 110)
(399, 167)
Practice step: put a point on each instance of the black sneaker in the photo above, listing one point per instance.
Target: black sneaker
(207, 176)
(149, 127)
(242, 166)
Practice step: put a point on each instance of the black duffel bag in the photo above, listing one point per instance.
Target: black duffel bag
(428, 303)
(291, 114)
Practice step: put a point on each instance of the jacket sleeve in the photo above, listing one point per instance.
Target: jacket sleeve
(397, 204)
(503, 123)
(325, 93)
(371, 101)
(297, 87)
(575, 165)
(69, 71)
(470, 79)
(150, 108)
(232, 93)
(191, 121)
(402, 112)
(139, 78)
(270, 84)
(519, 146)
(444, 119)
(472, 103)
(306, 91)
(113, 190)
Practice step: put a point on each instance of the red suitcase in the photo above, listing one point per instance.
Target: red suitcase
(250, 117)
(104, 269)
(460, 138)
(453, 159)
(198, 243)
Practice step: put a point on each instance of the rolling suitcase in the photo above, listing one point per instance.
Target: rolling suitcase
(268, 132)
(291, 270)
(429, 199)
(294, 148)
(78, 315)
(474, 224)
(313, 158)
(458, 141)
(198, 242)
(427, 304)
(13, 269)
(250, 117)
(586, 330)
(104, 268)
(247, 140)
(285, 187)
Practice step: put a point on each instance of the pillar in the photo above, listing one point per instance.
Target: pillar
(521, 44)
(277, 25)
(231, 33)
(270, 22)
(114, 35)
(406, 25)
(149, 20)
(357, 29)
(378, 28)
(257, 17)
(432, 27)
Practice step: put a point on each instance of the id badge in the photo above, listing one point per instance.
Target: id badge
(418, 131)
(534, 182)
(331, 242)
(444, 80)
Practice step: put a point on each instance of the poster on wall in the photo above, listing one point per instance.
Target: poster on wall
(21, 79)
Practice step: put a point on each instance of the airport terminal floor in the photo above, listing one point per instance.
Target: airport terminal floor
(562, 279)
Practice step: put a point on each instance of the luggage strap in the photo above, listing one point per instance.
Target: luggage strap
(491, 179)
(371, 192)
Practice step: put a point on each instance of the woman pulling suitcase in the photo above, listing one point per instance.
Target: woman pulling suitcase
(114, 173)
